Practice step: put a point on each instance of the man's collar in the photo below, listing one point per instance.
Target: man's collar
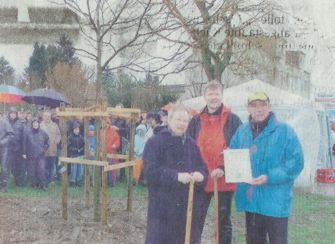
(216, 112)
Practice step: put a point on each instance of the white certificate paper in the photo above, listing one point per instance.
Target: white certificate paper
(237, 165)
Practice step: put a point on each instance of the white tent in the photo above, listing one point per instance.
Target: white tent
(306, 117)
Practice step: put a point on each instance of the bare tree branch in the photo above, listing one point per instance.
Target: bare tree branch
(208, 29)
(111, 29)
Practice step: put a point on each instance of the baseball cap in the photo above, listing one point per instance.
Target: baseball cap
(259, 95)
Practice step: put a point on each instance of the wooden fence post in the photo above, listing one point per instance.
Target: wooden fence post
(97, 174)
(131, 157)
(64, 166)
(103, 157)
(87, 167)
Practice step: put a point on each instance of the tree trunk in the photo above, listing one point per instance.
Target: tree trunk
(98, 95)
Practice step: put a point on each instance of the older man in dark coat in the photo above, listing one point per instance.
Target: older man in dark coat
(171, 161)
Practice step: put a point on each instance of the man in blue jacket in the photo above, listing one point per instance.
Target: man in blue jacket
(276, 161)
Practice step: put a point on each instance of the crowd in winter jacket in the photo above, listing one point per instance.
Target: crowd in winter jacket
(23, 147)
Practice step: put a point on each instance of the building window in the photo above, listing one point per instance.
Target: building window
(8, 15)
(52, 16)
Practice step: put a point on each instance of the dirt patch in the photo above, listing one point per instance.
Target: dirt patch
(39, 220)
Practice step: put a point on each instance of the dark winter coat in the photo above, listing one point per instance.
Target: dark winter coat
(16, 144)
(71, 124)
(36, 143)
(159, 128)
(75, 145)
(123, 126)
(164, 157)
(6, 133)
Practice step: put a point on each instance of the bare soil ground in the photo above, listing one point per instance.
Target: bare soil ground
(39, 220)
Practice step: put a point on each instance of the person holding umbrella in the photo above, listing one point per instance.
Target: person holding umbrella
(171, 161)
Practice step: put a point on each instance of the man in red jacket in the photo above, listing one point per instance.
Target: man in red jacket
(212, 130)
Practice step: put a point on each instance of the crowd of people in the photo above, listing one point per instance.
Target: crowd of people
(30, 147)
(176, 149)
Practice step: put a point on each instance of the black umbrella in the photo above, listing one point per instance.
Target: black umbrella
(46, 97)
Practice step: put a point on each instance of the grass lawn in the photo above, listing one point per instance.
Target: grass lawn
(312, 220)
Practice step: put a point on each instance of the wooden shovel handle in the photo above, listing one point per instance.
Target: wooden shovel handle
(189, 213)
(216, 210)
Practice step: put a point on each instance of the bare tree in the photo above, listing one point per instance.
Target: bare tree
(212, 34)
(113, 32)
(72, 80)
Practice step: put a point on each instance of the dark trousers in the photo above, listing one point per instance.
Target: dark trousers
(49, 167)
(4, 167)
(36, 172)
(225, 199)
(18, 166)
(260, 226)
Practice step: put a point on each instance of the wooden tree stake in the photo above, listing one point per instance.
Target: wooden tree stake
(87, 167)
(188, 228)
(64, 166)
(216, 210)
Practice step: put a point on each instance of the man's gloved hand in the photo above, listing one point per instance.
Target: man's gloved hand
(184, 178)
(197, 176)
